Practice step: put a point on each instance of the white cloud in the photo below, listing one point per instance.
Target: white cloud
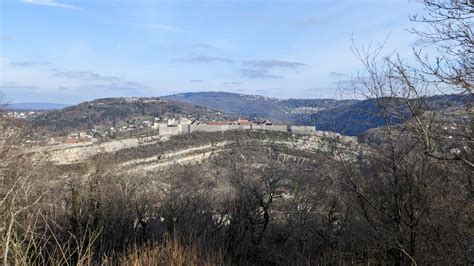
(161, 27)
(204, 59)
(84, 75)
(51, 3)
(6, 38)
(267, 64)
(29, 63)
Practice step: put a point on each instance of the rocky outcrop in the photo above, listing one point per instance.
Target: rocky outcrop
(192, 153)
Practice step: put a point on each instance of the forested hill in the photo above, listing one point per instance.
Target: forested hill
(113, 112)
(256, 107)
(356, 119)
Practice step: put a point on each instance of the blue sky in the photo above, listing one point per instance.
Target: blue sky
(67, 51)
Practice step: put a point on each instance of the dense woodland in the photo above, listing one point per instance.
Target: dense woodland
(403, 196)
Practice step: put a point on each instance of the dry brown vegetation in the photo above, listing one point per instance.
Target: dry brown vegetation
(249, 205)
(406, 199)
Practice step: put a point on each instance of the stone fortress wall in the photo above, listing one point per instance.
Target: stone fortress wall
(188, 128)
(216, 128)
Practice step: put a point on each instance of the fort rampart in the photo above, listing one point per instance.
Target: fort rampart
(184, 129)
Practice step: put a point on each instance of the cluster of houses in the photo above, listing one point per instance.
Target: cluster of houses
(306, 110)
(73, 138)
(22, 114)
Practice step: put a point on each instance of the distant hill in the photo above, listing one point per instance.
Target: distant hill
(36, 106)
(256, 107)
(349, 117)
(114, 112)
(356, 119)
(351, 120)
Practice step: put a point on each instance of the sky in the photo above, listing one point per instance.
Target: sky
(69, 51)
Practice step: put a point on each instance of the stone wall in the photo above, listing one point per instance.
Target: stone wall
(184, 129)
(281, 128)
(168, 130)
(215, 128)
(302, 129)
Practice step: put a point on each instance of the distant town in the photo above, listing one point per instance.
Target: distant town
(23, 114)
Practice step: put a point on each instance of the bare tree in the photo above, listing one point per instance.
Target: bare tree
(19, 190)
(411, 172)
(447, 26)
